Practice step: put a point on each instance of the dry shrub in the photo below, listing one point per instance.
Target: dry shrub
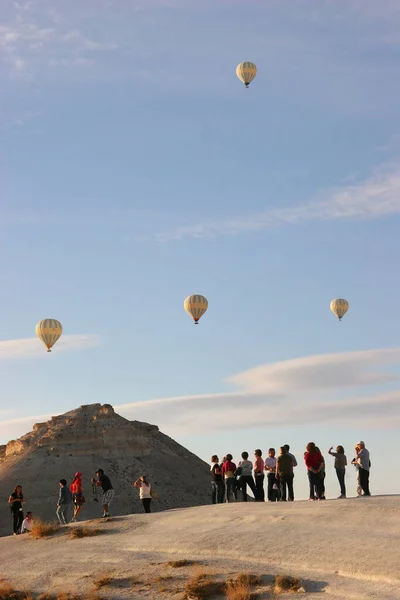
(41, 529)
(176, 564)
(7, 592)
(249, 579)
(238, 591)
(102, 582)
(240, 587)
(80, 532)
(286, 583)
(200, 587)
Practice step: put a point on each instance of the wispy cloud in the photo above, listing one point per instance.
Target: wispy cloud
(311, 390)
(299, 391)
(29, 347)
(29, 43)
(378, 196)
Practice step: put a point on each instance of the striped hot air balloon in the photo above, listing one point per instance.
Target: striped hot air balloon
(339, 307)
(49, 332)
(246, 72)
(196, 305)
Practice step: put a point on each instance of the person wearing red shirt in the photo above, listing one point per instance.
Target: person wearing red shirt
(314, 463)
(228, 471)
(77, 494)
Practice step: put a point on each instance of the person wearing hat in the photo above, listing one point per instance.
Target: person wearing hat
(77, 494)
(108, 490)
(364, 464)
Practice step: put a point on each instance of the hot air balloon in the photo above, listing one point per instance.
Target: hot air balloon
(339, 307)
(49, 331)
(196, 306)
(246, 72)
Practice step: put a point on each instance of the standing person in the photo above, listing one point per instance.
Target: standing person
(292, 456)
(357, 467)
(145, 492)
(16, 500)
(27, 523)
(223, 481)
(259, 475)
(77, 495)
(284, 473)
(364, 464)
(270, 467)
(314, 463)
(217, 491)
(246, 476)
(65, 500)
(340, 467)
(228, 471)
(322, 474)
(108, 490)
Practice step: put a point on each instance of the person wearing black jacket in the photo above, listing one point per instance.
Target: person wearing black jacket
(108, 490)
(16, 501)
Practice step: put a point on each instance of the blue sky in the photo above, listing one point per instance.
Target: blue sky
(136, 169)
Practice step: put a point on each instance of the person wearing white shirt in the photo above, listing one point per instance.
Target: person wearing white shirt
(27, 523)
(364, 464)
(270, 467)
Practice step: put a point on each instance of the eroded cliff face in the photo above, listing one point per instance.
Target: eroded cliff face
(91, 425)
(91, 437)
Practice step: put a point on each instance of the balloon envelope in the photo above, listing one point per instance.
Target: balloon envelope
(246, 72)
(196, 305)
(49, 332)
(339, 307)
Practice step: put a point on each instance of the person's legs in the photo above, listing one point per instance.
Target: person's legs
(359, 488)
(271, 479)
(364, 481)
(260, 488)
(230, 482)
(20, 519)
(252, 485)
(319, 486)
(367, 490)
(236, 488)
(60, 515)
(15, 517)
(341, 476)
(244, 480)
(311, 484)
(214, 491)
(220, 492)
(282, 483)
(146, 504)
(289, 481)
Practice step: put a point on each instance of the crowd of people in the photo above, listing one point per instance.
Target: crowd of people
(71, 500)
(229, 482)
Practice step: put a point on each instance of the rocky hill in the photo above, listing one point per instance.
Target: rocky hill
(92, 437)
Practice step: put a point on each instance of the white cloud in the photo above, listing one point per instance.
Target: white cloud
(303, 391)
(15, 428)
(298, 391)
(378, 196)
(29, 347)
(27, 46)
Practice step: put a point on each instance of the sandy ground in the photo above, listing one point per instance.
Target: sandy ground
(343, 549)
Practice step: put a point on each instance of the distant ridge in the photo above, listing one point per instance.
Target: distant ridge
(91, 437)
